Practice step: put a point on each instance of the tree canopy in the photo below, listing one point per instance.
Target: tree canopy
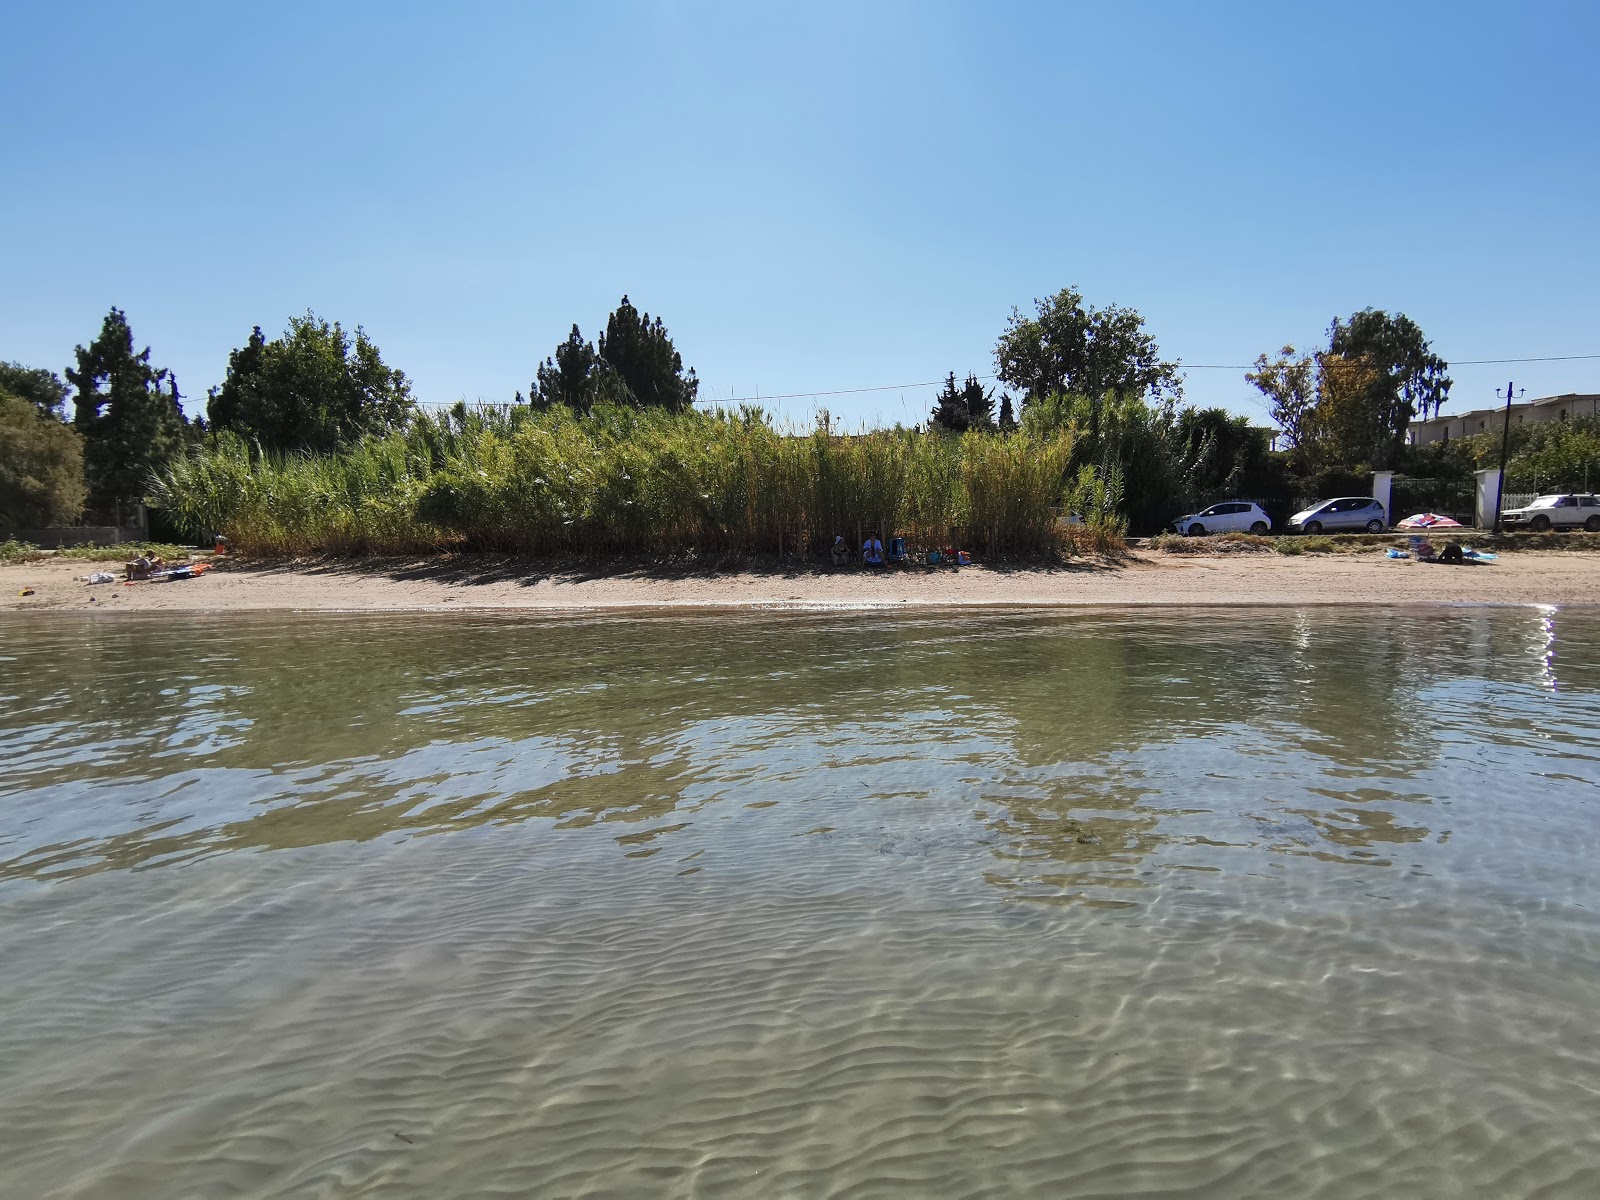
(42, 388)
(1407, 379)
(1289, 382)
(41, 464)
(1095, 352)
(127, 412)
(1350, 404)
(314, 388)
(962, 408)
(636, 363)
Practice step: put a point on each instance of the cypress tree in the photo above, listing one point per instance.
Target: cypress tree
(131, 427)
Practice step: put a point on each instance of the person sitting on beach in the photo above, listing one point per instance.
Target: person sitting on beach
(872, 551)
(139, 568)
(840, 551)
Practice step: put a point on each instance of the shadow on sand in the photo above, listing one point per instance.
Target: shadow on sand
(477, 568)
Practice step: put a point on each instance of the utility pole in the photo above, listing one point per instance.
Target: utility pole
(1505, 446)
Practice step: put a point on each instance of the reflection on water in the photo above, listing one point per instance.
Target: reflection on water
(802, 905)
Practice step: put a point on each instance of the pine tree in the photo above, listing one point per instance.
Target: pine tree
(979, 404)
(959, 409)
(641, 353)
(1008, 415)
(570, 377)
(131, 428)
(949, 407)
(314, 388)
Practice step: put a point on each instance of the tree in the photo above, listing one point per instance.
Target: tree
(42, 388)
(636, 364)
(1093, 352)
(1411, 379)
(1222, 452)
(1348, 425)
(642, 354)
(41, 465)
(1289, 382)
(131, 427)
(962, 408)
(1008, 415)
(315, 388)
(979, 404)
(577, 377)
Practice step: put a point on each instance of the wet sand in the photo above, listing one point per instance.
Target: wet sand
(493, 582)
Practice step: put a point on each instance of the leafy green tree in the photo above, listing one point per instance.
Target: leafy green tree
(131, 424)
(1411, 379)
(1347, 426)
(1289, 382)
(1092, 352)
(42, 388)
(314, 388)
(41, 465)
(1008, 414)
(963, 408)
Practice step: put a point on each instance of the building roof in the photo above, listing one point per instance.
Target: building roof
(1541, 402)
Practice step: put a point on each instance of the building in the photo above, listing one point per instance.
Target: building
(1491, 420)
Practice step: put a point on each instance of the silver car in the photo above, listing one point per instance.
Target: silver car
(1345, 513)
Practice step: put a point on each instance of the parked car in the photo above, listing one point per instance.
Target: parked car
(1346, 512)
(1563, 511)
(1228, 517)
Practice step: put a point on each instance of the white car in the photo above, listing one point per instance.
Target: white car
(1230, 516)
(1566, 511)
(1347, 512)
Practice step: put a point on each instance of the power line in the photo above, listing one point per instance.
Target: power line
(896, 387)
(1182, 366)
(1481, 362)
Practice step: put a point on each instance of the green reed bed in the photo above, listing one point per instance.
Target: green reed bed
(628, 481)
(13, 551)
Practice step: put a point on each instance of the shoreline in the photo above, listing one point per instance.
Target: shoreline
(1138, 580)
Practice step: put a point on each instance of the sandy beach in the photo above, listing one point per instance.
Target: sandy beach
(487, 582)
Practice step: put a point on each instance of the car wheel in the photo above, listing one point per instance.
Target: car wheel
(1258, 528)
(1593, 524)
(1197, 530)
(1374, 526)
(1539, 524)
(1313, 526)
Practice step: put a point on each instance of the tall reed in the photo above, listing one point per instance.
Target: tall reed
(627, 481)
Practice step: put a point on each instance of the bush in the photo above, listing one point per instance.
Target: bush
(1211, 543)
(13, 551)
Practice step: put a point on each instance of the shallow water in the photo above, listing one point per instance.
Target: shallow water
(1269, 903)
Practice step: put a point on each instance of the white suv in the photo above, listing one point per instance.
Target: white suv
(1569, 512)
(1231, 516)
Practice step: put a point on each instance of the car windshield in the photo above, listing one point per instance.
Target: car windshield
(1547, 502)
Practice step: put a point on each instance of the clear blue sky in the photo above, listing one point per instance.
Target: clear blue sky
(813, 196)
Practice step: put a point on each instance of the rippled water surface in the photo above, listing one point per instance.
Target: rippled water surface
(1271, 904)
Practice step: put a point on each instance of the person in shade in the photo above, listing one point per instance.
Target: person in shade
(872, 551)
(840, 551)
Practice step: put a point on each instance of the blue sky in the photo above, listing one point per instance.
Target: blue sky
(813, 196)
